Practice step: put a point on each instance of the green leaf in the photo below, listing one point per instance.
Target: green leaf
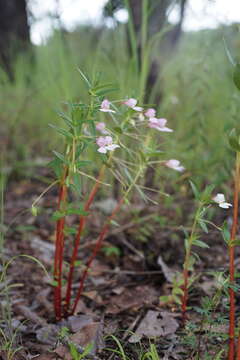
(82, 163)
(200, 244)
(60, 156)
(58, 215)
(56, 165)
(61, 131)
(195, 190)
(203, 225)
(177, 291)
(206, 195)
(165, 299)
(85, 78)
(226, 233)
(154, 153)
(111, 250)
(73, 351)
(69, 230)
(115, 223)
(78, 263)
(102, 90)
(66, 118)
(118, 130)
(236, 76)
(233, 139)
(34, 210)
(74, 211)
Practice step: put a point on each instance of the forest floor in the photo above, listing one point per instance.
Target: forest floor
(121, 299)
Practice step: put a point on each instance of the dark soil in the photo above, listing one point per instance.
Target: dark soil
(123, 288)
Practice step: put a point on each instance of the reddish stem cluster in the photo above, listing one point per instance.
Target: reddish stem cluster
(59, 250)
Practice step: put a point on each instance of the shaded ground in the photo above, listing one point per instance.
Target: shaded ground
(122, 292)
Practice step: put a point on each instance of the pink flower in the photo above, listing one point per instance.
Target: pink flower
(159, 124)
(105, 106)
(105, 144)
(174, 164)
(150, 113)
(100, 126)
(220, 200)
(132, 104)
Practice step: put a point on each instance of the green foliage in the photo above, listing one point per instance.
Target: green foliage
(75, 353)
(236, 76)
(234, 140)
(111, 250)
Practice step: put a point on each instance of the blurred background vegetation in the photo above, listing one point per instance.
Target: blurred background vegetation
(188, 79)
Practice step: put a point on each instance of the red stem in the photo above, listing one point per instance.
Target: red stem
(238, 347)
(231, 350)
(58, 257)
(78, 238)
(95, 252)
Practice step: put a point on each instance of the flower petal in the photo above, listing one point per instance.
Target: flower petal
(150, 113)
(107, 110)
(102, 150)
(219, 198)
(130, 102)
(137, 108)
(112, 147)
(225, 205)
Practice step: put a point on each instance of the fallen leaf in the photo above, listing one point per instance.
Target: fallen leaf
(76, 323)
(48, 334)
(132, 298)
(90, 332)
(167, 272)
(155, 324)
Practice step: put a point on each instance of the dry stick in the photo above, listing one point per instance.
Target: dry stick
(78, 238)
(95, 252)
(59, 250)
(231, 248)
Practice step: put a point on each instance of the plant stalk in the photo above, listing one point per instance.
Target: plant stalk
(101, 238)
(231, 249)
(186, 266)
(59, 245)
(95, 252)
(82, 222)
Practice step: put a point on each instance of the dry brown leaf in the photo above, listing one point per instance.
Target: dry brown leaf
(48, 334)
(132, 298)
(76, 323)
(90, 333)
(167, 272)
(155, 324)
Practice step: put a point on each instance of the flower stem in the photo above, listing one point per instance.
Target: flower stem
(186, 265)
(238, 346)
(95, 252)
(59, 244)
(82, 222)
(231, 249)
(101, 238)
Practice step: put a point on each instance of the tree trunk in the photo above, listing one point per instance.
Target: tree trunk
(14, 33)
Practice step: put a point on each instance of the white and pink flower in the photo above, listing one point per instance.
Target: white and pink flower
(174, 164)
(150, 113)
(105, 106)
(158, 124)
(105, 144)
(220, 200)
(132, 104)
(101, 127)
